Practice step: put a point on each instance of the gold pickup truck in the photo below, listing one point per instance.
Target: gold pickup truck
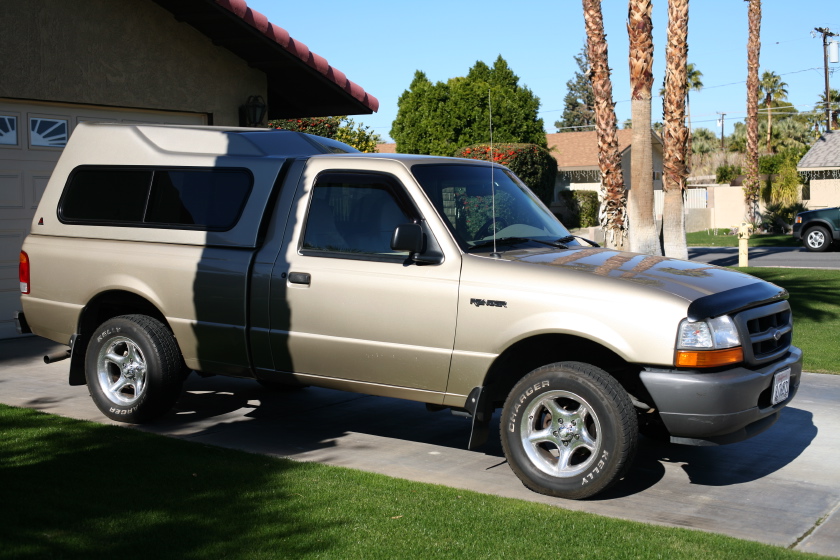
(293, 259)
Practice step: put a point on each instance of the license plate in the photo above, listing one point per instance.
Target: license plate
(781, 386)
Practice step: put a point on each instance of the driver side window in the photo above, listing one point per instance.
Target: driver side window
(355, 215)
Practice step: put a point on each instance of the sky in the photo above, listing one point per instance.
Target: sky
(380, 44)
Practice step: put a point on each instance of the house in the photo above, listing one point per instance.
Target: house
(822, 166)
(577, 159)
(213, 62)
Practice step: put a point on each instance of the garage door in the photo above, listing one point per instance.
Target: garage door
(32, 136)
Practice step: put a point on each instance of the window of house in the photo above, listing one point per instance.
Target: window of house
(204, 199)
(355, 215)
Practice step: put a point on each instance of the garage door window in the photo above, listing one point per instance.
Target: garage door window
(47, 133)
(8, 130)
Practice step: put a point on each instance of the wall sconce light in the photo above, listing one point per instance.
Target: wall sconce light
(253, 111)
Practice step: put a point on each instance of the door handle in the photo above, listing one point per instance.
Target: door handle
(300, 278)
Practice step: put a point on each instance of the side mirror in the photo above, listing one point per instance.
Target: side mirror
(408, 237)
(411, 238)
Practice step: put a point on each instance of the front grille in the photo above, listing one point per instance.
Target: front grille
(767, 332)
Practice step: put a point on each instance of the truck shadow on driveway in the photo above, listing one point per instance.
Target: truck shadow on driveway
(242, 414)
(724, 465)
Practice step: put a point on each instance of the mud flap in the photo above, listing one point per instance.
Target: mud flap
(481, 413)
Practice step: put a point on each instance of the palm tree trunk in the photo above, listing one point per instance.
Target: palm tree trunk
(675, 133)
(751, 183)
(644, 237)
(613, 213)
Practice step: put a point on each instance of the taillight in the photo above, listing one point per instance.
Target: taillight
(23, 273)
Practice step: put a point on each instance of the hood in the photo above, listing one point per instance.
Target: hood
(712, 290)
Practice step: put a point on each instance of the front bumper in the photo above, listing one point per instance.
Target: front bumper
(721, 407)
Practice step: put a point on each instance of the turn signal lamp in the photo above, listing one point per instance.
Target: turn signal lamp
(710, 343)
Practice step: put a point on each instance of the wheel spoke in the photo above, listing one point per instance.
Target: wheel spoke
(558, 414)
(564, 459)
(118, 359)
(540, 436)
(118, 385)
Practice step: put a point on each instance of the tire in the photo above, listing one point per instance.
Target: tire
(569, 430)
(817, 239)
(133, 369)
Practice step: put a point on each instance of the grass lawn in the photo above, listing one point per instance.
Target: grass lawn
(722, 238)
(74, 489)
(815, 300)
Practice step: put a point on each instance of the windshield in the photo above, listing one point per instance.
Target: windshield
(463, 195)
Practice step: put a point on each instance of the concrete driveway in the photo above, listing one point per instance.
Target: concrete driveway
(782, 487)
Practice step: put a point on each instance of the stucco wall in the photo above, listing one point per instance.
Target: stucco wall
(126, 53)
(825, 193)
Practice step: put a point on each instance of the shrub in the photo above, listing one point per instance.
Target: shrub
(533, 164)
(726, 173)
(778, 217)
(340, 128)
(582, 207)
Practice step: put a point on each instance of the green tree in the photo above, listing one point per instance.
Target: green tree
(773, 89)
(339, 128)
(579, 102)
(704, 141)
(833, 105)
(440, 118)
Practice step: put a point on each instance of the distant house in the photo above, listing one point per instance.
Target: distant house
(822, 166)
(577, 159)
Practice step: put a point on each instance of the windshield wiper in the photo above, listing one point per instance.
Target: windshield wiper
(568, 238)
(516, 241)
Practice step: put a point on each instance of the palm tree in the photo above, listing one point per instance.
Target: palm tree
(693, 82)
(675, 133)
(613, 214)
(833, 106)
(640, 203)
(751, 183)
(774, 90)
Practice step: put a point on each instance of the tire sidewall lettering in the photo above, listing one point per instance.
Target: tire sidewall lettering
(520, 402)
(107, 333)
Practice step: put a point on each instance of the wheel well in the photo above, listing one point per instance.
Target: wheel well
(101, 308)
(529, 354)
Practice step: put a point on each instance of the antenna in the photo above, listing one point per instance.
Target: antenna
(494, 254)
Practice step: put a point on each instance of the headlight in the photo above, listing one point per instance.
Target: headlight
(709, 343)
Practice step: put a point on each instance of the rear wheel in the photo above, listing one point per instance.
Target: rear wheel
(133, 368)
(817, 239)
(569, 430)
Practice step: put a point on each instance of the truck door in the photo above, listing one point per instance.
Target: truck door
(344, 305)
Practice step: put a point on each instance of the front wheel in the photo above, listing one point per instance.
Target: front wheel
(569, 430)
(817, 239)
(133, 368)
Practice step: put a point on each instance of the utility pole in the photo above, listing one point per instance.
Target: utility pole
(720, 124)
(826, 33)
